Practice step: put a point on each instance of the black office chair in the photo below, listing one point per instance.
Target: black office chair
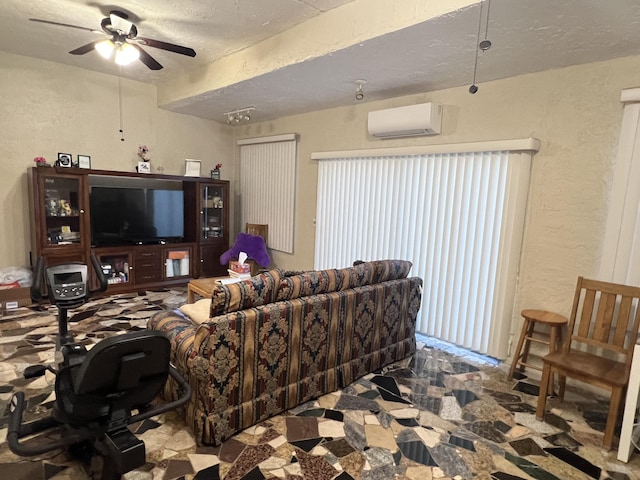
(99, 392)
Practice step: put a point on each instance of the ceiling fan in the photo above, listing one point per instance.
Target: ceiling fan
(124, 44)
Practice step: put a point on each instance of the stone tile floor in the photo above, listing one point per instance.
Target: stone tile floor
(434, 415)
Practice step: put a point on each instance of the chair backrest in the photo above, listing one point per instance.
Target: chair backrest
(605, 315)
(122, 372)
(258, 229)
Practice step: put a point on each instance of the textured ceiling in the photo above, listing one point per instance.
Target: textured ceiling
(429, 54)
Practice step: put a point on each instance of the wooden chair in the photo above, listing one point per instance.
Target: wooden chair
(602, 332)
(257, 229)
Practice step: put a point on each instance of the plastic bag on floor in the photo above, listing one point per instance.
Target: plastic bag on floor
(21, 276)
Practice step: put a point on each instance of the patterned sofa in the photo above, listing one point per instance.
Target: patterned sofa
(278, 340)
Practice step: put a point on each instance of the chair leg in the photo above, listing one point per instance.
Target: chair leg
(612, 417)
(562, 382)
(518, 353)
(542, 396)
(531, 326)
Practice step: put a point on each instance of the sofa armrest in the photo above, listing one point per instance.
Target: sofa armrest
(181, 333)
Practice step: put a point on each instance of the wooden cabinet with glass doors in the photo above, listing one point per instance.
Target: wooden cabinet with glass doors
(60, 229)
(213, 238)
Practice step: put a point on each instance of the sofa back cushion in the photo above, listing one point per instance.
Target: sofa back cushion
(359, 275)
(315, 282)
(308, 283)
(257, 290)
(385, 270)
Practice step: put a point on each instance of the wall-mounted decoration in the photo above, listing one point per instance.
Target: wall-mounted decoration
(64, 160)
(84, 161)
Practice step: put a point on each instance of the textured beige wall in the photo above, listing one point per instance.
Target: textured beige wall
(575, 112)
(48, 108)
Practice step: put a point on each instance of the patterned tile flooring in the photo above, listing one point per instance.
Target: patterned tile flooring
(435, 415)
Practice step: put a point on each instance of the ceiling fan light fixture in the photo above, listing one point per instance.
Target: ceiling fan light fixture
(126, 54)
(105, 48)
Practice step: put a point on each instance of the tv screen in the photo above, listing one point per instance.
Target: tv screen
(122, 215)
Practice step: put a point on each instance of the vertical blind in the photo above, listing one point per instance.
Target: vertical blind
(267, 187)
(620, 260)
(459, 217)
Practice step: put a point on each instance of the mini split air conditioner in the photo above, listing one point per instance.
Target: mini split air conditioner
(409, 121)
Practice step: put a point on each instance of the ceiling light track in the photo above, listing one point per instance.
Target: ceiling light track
(240, 115)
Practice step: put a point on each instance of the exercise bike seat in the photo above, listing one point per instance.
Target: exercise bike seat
(119, 374)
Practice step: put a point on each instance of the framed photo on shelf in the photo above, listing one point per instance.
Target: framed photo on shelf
(64, 160)
(84, 161)
(144, 167)
(191, 168)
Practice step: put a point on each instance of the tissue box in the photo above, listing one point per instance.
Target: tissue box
(238, 267)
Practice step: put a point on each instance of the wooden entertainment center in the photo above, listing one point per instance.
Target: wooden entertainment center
(63, 229)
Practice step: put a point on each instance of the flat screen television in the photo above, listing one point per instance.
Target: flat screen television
(132, 215)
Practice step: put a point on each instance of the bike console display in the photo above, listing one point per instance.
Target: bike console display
(67, 283)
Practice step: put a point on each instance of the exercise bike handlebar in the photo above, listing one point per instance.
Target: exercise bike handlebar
(17, 430)
(99, 273)
(186, 395)
(38, 274)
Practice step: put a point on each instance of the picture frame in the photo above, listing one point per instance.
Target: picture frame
(192, 168)
(144, 167)
(64, 160)
(84, 161)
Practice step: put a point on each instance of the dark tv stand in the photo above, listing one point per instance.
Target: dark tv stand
(61, 230)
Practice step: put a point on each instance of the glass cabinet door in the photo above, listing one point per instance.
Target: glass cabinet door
(177, 262)
(116, 267)
(212, 202)
(62, 209)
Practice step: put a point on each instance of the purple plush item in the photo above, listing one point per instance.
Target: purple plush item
(252, 245)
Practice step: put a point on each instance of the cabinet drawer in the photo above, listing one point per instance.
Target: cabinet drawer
(147, 267)
(147, 276)
(147, 255)
(147, 264)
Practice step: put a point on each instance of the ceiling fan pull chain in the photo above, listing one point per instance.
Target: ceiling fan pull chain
(120, 105)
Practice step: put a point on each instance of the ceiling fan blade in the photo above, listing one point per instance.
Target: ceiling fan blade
(65, 25)
(150, 42)
(147, 59)
(89, 47)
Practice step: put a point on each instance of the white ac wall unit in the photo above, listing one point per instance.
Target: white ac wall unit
(409, 121)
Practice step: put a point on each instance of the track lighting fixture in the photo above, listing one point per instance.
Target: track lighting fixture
(238, 116)
(359, 92)
(483, 45)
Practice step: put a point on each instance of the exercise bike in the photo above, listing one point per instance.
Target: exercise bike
(98, 392)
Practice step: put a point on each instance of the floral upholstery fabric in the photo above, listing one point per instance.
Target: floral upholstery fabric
(248, 365)
(325, 281)
(252, 292)
(310, 283)
(384, 270)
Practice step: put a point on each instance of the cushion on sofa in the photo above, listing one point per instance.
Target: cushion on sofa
(359, 275)
(258, 290)
(325, 281)
(385, 270)
(309, 283)
(199, 311)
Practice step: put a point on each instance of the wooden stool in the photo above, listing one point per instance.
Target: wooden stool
(555, 322)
